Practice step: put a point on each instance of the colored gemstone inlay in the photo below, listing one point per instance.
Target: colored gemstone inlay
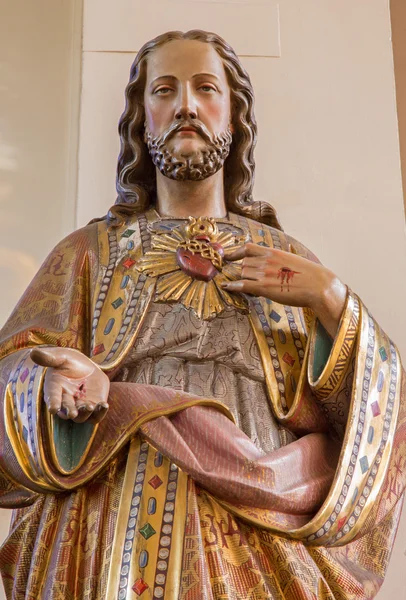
(98, 350)
(155, 482)
(288, 359)
(25, 433)
(124, 281)
(371, 433)
(158, 459)
(128, 233)
(24, 375)
(364, 464)
(151, 506)
(130, 245)
(376, 411)
(147, 531)
(129, 262)
(381, 381)
(341, 523)
(22, 402)
(143, 560)
(140, 586)
(293, 383)
(275, 317)
(355, 495)
(383, 354)
(118, 302)
(109, 326)
(282, 336)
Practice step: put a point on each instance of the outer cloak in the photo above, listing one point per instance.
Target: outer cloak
(104, 512)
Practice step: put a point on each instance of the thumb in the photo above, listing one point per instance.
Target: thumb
(48, 357)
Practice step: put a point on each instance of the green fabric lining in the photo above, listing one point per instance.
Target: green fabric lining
(71, 440)
(322, 350)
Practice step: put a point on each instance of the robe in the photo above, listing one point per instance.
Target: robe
(168, 497)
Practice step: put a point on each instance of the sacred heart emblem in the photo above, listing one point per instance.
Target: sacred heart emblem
(190, 267)
(195, 265)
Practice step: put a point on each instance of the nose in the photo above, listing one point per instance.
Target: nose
(187, 106)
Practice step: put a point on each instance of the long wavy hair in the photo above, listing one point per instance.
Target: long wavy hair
(136, 176)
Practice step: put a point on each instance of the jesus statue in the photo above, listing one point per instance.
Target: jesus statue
(193, 407)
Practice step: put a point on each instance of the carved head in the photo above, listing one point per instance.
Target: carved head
(229, 145)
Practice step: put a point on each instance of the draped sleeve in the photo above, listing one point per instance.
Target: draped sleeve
(53, 311)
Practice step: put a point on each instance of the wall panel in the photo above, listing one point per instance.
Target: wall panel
(40, 50)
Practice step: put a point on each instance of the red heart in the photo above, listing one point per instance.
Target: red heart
(195, 265)
(218, 247)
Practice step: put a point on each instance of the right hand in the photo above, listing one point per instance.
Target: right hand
(74, 387)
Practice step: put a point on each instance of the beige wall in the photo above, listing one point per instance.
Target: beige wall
(328, 151)
(398, 19)
(40, 59)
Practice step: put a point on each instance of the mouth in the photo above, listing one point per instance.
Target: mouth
(187, 130)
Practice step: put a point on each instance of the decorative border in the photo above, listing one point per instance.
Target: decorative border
(354, 516)
(328, 383)
(14, 387)
(127, 318)
(276, 240)
(132, 522)
(106, 281)
(146, 245)
(295, 334)
(272, 350)
(165, 540)
(29, 413)
(355, 450)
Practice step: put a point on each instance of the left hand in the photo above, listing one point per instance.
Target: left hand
(290, 279)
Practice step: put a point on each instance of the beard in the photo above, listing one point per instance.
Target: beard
(194, 167)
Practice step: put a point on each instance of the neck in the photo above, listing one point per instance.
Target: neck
(184, 199)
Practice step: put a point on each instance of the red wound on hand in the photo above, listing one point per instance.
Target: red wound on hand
(286, 275)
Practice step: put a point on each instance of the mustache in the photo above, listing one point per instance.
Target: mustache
(198, 126)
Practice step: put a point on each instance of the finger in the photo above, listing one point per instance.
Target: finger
(68, 403)
(98, 414)
(83, 414)
(52, 397)
(245, 286)
(257, 261)
(48, 357)
(252, 273)
(249, 249)
(63, 414)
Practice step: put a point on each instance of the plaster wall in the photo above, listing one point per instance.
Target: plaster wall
(40, 64)
(398, 20)
(327, 157)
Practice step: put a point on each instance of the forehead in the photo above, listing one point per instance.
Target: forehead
(183, 59)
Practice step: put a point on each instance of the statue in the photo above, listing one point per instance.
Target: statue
(193, 406)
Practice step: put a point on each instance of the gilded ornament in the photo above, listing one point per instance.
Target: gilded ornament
(190, 267)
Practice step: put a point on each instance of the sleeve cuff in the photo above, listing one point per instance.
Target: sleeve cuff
(329, 361)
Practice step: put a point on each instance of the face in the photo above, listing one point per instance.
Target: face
(187, 109)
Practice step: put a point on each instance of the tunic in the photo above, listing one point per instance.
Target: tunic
(218, 359)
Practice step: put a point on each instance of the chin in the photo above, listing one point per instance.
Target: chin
(187, 148)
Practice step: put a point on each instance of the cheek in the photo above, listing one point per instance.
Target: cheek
(156, 118)
(219, 114)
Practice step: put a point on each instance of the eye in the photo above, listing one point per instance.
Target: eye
(163, 91)
(207, 88)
